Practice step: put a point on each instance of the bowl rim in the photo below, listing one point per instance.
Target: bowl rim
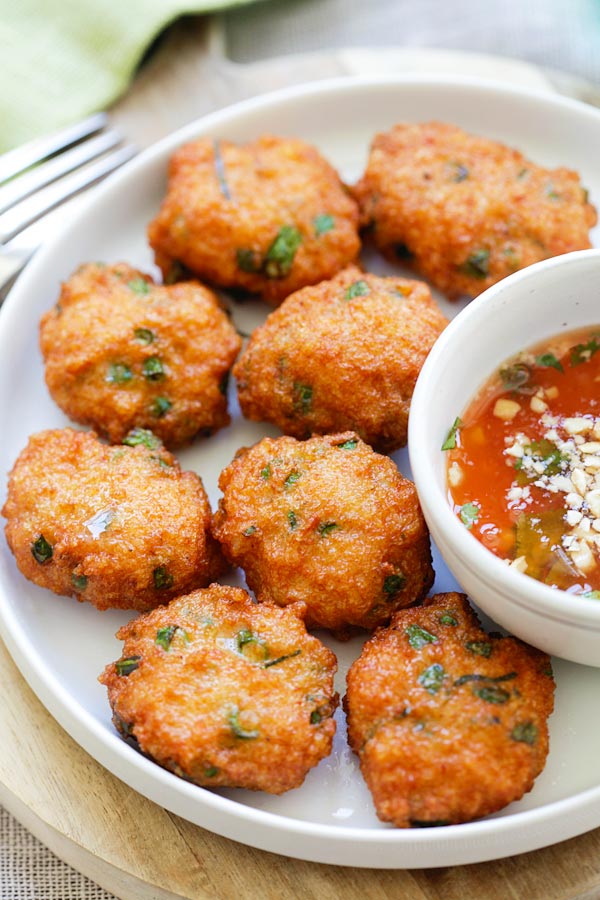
(525, 591)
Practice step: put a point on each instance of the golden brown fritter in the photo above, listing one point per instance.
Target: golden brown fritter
(467, 211)
(225, 692)
(122, 352)
(449, 723)
(329, 522)
(117, 526)
(342, 355)
(269, 216)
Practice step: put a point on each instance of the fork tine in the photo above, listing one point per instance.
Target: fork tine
(34, 207)
(61, 164)
(35, 151)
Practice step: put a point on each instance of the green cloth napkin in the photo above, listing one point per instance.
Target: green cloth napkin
(63, 59)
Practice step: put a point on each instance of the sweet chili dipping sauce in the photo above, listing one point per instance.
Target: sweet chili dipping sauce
(524, 463)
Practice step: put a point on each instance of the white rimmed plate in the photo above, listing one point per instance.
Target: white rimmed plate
(61, 646)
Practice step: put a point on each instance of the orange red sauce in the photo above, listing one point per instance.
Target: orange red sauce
(523, 463)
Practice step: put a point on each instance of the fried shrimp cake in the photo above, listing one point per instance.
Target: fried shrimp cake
(117, 526)
(342, 355)
(467, 211)
(269, 216)
(122, 352)
(449, 723)
(329, 522)
(225, 692)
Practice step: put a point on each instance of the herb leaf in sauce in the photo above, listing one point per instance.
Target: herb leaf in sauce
(469, 514)
(451, 437)
(515, 376)
(549, 360)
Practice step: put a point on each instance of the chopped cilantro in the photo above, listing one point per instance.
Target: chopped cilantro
(549, 360)
(450, 442)
(469, 514)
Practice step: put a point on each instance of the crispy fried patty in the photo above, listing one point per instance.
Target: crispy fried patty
(341, 355)
(449, 722)
(467, 211)
(225, 692)
(122, 352)
(116, 526)
(327, 521)
(269, 216)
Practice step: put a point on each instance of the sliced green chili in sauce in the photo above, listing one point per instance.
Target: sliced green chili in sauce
(41, 550)
(128, 665)
(279, 257)
(515, 376)
(418, 637)
(118, 373)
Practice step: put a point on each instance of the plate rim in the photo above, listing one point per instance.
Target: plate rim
(124, 762)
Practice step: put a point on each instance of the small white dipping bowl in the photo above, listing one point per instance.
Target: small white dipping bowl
(546, 299)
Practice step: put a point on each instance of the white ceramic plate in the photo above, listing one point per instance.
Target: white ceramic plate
(61, 646)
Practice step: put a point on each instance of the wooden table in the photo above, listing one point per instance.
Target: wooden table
(84, 814)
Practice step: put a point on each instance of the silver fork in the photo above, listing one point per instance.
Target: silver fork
(41, 176)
